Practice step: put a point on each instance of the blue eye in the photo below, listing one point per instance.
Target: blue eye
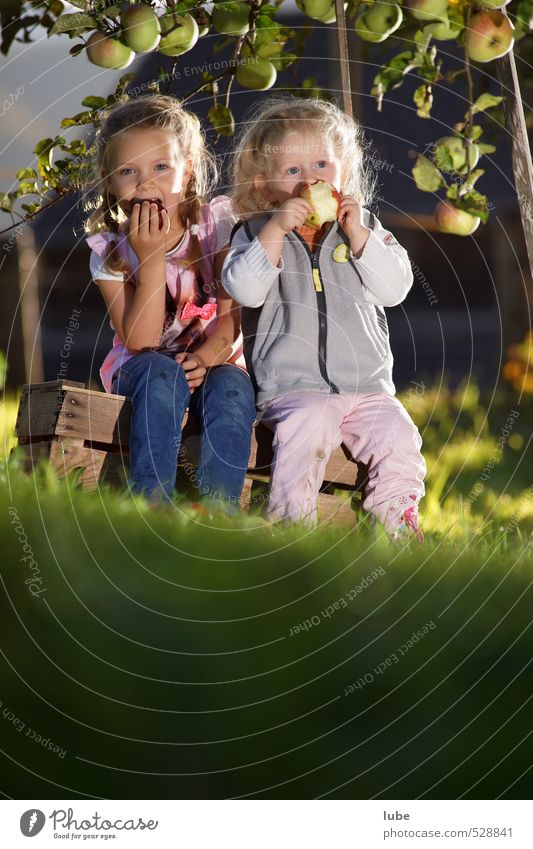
(125, 171)
(161, 166)
(293, 170)
(322, 163)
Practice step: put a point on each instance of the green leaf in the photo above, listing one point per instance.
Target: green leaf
(71, 22)
(56, 7)
(474, 203)
(32, 207)
(222, 120)
(427, 177)
(443, 158)
(6, 201)
(77, 120)
(26, 174)
(92, 102)
(485, 148)
(423, 98)
(484, 102)
(27, 188)
(78, 48)
(75, 148)
(43, 152)
(473, 177)
(113, 12)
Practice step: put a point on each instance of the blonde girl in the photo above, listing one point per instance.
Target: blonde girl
(157, 252)
(316, 337)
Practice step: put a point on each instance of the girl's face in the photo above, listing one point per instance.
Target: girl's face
(146, 163)
(301, 156)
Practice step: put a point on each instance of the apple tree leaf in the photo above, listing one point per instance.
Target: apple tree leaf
(427, 177)
(474, 203)
(92, 102)
(485, 101)
(222, 120)
(423, 98)
(72, 22)
(485, 148)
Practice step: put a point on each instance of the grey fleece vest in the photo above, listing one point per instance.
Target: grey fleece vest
(315, 332)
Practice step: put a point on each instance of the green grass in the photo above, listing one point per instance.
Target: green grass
(158, 653)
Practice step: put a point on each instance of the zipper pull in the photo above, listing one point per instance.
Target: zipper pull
(316, 279)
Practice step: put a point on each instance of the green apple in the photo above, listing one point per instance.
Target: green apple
(383, 17)
(489, 36)
(231, 18)
(362, 30)
(457, 147)
(178, 34)
(108, 52)
(443, 30)
(256, 73)
(492, 4)
(317, 9)
(428, 10)
(449, 219)
(141, 30)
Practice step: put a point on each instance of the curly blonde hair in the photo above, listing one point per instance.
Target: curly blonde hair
(152, 111)
(266, 125)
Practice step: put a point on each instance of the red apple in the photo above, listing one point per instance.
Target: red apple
(325, 200)
(107, 52)
(452, 220)
(489, 36)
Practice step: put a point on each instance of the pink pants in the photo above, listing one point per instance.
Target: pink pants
(376, 430)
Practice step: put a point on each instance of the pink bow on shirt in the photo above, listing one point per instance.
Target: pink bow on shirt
(190, 311)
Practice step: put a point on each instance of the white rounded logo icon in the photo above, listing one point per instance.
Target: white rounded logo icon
(32, 822)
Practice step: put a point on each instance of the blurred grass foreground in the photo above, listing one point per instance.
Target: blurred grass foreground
(162, 654)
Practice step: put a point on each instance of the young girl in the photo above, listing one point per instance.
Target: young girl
(156, 256)
(316, 338)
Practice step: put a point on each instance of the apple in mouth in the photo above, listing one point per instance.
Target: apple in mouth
(160, 206)
(325, 200)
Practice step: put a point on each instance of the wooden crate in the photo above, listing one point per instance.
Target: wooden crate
(78, 428)
(74, 428)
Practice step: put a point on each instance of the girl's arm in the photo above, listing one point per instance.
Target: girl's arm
(138, 312)
(247, 274)
(383, 264)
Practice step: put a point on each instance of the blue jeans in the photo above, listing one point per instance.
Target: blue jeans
(224, 406)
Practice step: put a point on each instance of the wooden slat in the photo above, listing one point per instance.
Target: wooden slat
(37, 413)
(65, 456)
(63, 409)
(95, 416)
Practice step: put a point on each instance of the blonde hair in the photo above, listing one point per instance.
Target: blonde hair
(152, 111)
(266, 125)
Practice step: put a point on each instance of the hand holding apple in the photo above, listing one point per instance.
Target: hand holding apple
(291, 214)
(351, 220)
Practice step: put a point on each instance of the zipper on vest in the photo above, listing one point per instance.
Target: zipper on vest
(322, 311)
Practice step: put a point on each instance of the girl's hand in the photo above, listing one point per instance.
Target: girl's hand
(350, 218)
(146, 237)
(292, 213)
(194, 368)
